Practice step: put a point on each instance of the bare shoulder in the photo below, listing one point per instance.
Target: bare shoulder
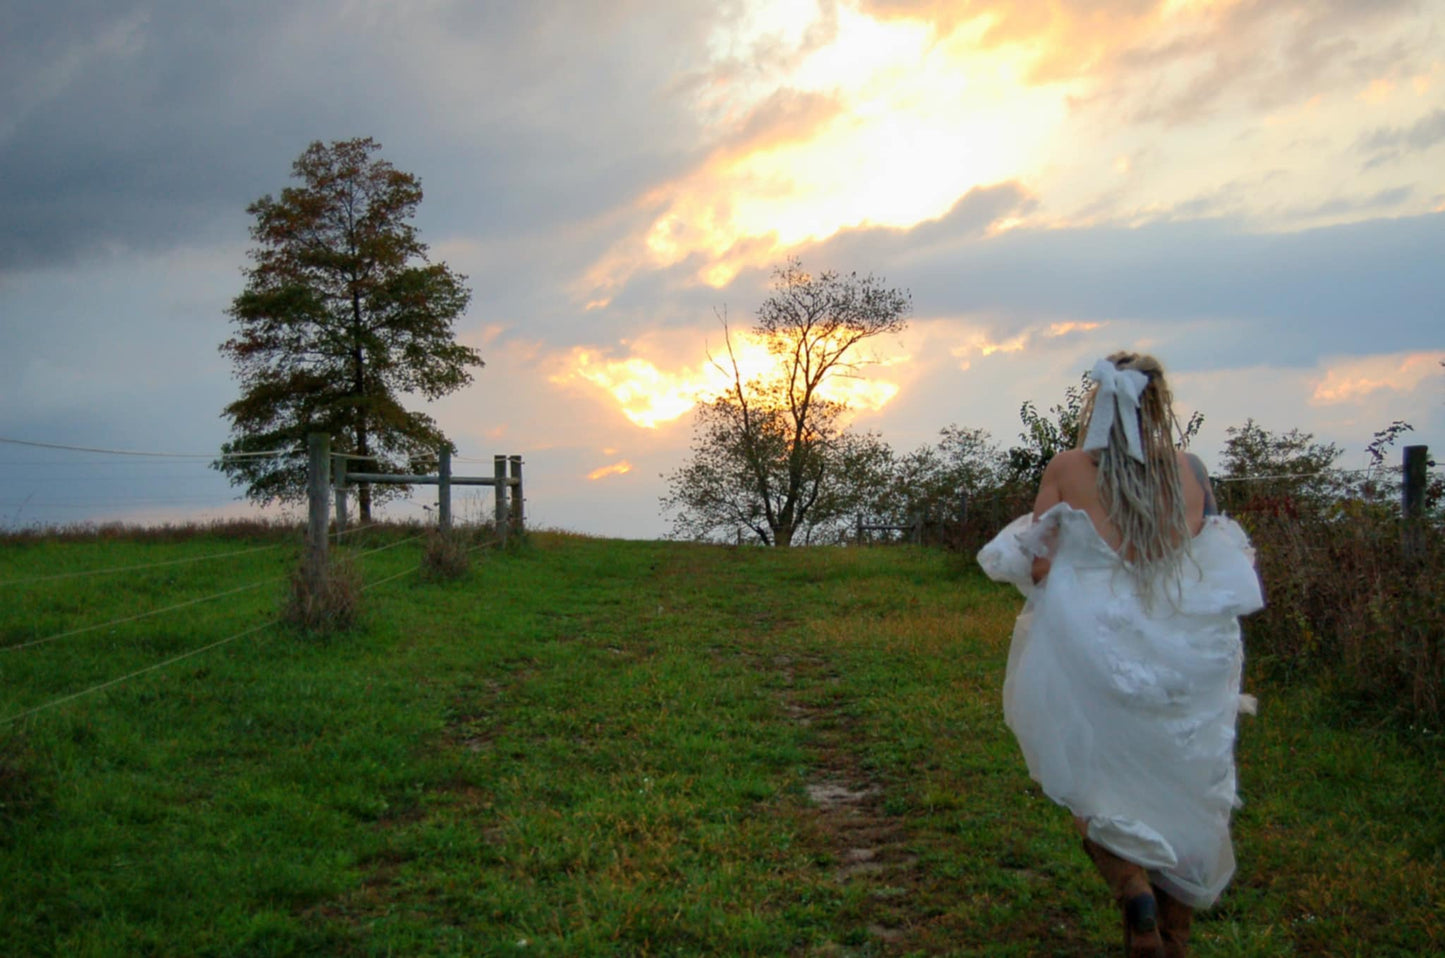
(1198, 492)
(1188, 460)
(1071, 462)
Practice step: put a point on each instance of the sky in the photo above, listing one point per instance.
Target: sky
(1251, 190)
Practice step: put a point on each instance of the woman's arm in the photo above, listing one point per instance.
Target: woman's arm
(1050, 494)
(1211, 507)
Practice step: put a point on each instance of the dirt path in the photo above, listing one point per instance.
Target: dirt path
(867, 845)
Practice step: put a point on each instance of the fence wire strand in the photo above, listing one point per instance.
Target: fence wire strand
(390, 545)
(143, 615)
(1291, 475)
(259, 454)
(180, 605)
(134, 568)
(390, 578)
(352, 531)
(130, 675)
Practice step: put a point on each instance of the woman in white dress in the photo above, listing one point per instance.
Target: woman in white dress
(1124, 670)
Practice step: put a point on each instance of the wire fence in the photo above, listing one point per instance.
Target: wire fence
(29, 599)
(46, 486)
(966, 520)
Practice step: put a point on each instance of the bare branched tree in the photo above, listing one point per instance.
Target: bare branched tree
(772, 454)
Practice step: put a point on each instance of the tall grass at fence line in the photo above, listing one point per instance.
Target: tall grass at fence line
(1346, 603)
(324, 602)
(985, 516)
(258, 530)
(253, 529)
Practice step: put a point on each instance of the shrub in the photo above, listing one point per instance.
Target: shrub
(1347, 603)
(327, 603)
(447, 555)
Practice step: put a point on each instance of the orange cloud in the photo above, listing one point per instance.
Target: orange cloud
(650, 392)
(1350, 380)
(616, 469)
(883, 126)
(1377, 92)
(1063, 329)
(820, 118)
(979, 342)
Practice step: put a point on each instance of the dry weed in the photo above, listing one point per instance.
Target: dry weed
(330, 602)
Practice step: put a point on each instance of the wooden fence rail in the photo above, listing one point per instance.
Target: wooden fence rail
(323, 483)
(506, 481)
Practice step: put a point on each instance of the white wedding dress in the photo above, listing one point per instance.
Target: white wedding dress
(1125, 709)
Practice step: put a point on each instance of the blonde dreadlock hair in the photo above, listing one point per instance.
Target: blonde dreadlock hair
(1145, 500)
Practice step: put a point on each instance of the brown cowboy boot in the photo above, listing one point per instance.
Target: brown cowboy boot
(1130, 887)
(1175, 918)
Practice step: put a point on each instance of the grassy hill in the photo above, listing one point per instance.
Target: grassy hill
(594, 747)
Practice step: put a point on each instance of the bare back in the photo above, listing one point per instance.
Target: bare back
(1072, 477)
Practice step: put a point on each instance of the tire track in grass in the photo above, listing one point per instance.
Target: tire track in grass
(869, 849)
(842, 814)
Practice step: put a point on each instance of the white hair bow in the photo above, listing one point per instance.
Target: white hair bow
(1118, 396)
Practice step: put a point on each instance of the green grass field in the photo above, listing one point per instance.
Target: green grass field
(595, 747)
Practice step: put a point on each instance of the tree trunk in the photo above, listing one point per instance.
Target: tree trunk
(359, 389)
(358, 359)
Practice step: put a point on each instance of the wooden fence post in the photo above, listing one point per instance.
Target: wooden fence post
(338, 482)
(1413, 492)
(318, 445)
(444, 489)
(518, 518)
(499, 489)
(1412, 499)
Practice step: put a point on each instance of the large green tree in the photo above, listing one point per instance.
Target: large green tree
(342, 317)
(773, 453)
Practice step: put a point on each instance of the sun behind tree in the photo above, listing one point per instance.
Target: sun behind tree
(341, 316)
(772, 454)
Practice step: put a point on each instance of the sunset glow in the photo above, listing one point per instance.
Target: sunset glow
(1251, 191)
(886, 126)
(616, 469)
(1353, 379)
(650, 393)
(979, 342)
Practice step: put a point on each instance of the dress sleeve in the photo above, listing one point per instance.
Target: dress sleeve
(1006, 558)
(1041, 538)
(1230, 583)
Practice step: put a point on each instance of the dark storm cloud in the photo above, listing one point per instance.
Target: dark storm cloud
(122, 124)
(149, 124)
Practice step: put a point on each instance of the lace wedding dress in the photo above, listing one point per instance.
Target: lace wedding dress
(1124, 705)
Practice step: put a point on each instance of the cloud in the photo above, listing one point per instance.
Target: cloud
(974, 217)
(146, 125)
(1291, 297)
(616, 469)
(664, 377)
(652, 160)
(1385, 144)
(1347, 379)
(786, 116)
